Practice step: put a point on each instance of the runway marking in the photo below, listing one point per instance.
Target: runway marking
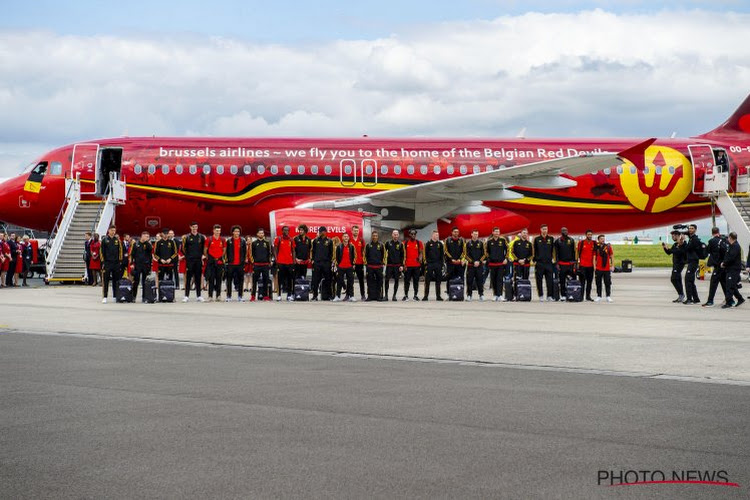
(394, 357)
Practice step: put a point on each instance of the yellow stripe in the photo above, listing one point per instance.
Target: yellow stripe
(32, 187)
(540, 202)
(65, 279)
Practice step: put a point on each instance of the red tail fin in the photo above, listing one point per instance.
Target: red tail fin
(737, 124)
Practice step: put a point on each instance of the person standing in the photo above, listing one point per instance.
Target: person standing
(214, 251)
(732, 264)
(321, 255)
(141, 255)
(165, 253)
(111, 257)
(193, 244)
(345, 256)
(283, 251)
(544, 262)
(455, 255)
(27, 256)
(475, 256)
(87, 258)
(177, 258)
(586, 249)
(521, 252)
(693, 251)
(236, 255)
(565, 252)
(261, 255)
(603, 266)
(13, 260)
(374, 258)
(124, 265)
(434, 256)
(496, 250)
(359, 266)
(413, 261)
(679, 259)
(95, 261)
(302, 246)
(394, 262)
(717, 249)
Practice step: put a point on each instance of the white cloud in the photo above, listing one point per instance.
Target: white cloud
(587, 73)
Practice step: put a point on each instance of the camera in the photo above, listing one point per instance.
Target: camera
(681, 228)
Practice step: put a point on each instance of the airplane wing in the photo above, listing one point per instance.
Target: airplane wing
(488, 186)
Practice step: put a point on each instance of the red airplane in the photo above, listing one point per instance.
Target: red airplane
(608, 185)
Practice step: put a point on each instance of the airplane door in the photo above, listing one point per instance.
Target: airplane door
(83, 163)
(707, 178)
(348, 172)
(369, 174)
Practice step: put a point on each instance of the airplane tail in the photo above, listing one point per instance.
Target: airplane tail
(737, 125)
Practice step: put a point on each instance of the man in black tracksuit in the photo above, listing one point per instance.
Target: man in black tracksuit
(693, 251)
(193, 244)
(321, 254)
(374, 258)
(521, 252)
(394, 262)
(455, 255)
(165, 253)
(732, 265)
(565, 252)
(301, 246)
(111, 255)
(141, 253)
(544, 262)
(475, 257)
(434, 255)
(236, 256)
(679, 259)
(496, 250)
(717, 249)
(261, 255)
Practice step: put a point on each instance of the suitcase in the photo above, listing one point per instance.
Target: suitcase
(149, 292)
(523, 290)
(573, 291)
(124, 290)
(301, 290)
(456, 290)
(555, 288)
(508, 292)
(166, 290)
(627, 266)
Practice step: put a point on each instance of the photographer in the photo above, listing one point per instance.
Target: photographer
(677, 251)
(693, 251)
(717, 249)
(732, 265)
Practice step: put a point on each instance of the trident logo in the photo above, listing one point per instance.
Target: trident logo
(668, 182)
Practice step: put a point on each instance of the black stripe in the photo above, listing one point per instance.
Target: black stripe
(556, 197)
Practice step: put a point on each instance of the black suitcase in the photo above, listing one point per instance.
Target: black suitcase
(508, 292)
(627, 266)
(124, 290)
(523, 290)
(149, 292)
(301, 290)
(456, 290)
(556, 288)
(573, 291)
(166, 290)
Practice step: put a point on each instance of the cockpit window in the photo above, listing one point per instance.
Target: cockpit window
(56, 168)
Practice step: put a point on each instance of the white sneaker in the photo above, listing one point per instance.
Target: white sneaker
(496, 298)
(598, 299)
(541, 299)
(229, 299)
(336, 299)
(609, 299)
(186, 299)
(278, 298)
(290, 298)
(353, 299)
(468, 299)
(481, 298)
(550, 299)
(562, 298)
(104, 300)
(200, 299)
(503, 299)
(242, 299)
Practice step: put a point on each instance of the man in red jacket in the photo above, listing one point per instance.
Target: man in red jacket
(586, 249)
(282, 249)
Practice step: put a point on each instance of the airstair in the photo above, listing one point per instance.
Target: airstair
(734, 205)
(78, 215)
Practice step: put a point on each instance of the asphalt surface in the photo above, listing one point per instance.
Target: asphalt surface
(106, 418)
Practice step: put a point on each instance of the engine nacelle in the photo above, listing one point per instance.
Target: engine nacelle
(336, 222)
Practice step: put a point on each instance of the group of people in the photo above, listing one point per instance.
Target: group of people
(238, 264)
(724, 256)
(16, 255)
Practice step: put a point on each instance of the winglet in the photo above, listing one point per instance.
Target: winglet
(636, 153)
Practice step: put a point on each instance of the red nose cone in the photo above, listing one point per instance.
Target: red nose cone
(23, 208)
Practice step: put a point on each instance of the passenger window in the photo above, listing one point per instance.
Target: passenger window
(475, 169)
(397, 169)
(607, 171)
(489, 168)
(220, 169)
(274, 169)
(619, 170)
(152, 169)
(436, 169)
(247, 169)
(288, 169)
(193, 169)
(671, 170)
(233, 170)
(368, 170)
(463, 169)
(56, 168)
(423, 170)
(300, 170)
(314, 170)
(410, 170)
(138, 169)
(658, 170)
(328, 170)
(206, 169)
(383, 169)
(165, 169)
(633, 170)
(261, 169)
(178, 170)
(646, 170)
(449, 170)
(348, 169)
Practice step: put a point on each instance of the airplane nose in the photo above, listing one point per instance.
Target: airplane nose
(10, 201)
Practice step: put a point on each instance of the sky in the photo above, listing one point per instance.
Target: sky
(75, 71)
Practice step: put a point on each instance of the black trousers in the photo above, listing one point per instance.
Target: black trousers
(607, 277)
(359, 272)
(193, 272)
(474, 280)
(89, 274)
(286, 278)
(11, 273)
(587, 275)
(731, 292)
(497, 273)
(374, 283)
(176, 274)
(214, 277)
(521, 271)
(453, 271)
(236, 277)
(166, 271)
(544, 271)
(718, 277)
(676, 279)
(432, 273)
(321, 278)
(262, 274)
(392, 273)
(348, 276)
(411, 277)
(300, 271)
(139, 277)
(690, 289)
(565, 271)
(111, 273)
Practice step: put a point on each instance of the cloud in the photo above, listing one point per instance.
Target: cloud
(589, 73)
